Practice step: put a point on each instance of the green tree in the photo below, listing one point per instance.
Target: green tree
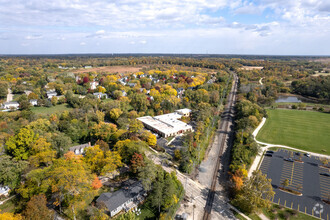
(11, 170)
(3, 89)
(19, 145)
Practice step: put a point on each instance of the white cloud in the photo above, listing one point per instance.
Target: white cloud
(114, 24)
(33, 37)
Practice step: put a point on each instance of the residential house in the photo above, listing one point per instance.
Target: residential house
(100, 95)
(4, 190)
(124, 199)
(50, 94)
(34, 102)
(10, 105)
(87, 67)
(94, 85)
(79, 149)
(131, 84)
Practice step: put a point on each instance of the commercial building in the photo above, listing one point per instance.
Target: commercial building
(168, 124)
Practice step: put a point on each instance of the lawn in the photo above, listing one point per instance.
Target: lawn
(50, 110)
(279, 212)
(305, 130)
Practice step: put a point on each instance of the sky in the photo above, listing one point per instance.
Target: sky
(265, 27)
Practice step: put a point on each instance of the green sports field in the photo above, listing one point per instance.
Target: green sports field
(305, 130)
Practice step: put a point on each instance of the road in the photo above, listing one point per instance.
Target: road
(215, 207)
(9, 96)
(207, 194)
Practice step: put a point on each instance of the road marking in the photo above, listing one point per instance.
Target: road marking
(292, 172)
(291, 204)
(278, 202)
(298, 208)
(305, 209)
(284, 203)
(312, 212)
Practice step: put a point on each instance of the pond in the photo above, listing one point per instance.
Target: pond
(287, 99)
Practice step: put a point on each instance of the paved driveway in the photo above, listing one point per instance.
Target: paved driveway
(303, 177)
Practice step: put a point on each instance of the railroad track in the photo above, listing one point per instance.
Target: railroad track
(226, 118)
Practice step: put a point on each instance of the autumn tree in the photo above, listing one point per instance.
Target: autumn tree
(101, 162)
(36, 209)
(42, 153)
(71, 182)
(136, 162)
(19, 145)
(103, 131)
(96, 184)
(256, 193)
(10, 216)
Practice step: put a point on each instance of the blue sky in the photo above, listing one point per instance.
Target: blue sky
(278, 27)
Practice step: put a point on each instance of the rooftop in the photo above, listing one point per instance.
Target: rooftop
(118, 198)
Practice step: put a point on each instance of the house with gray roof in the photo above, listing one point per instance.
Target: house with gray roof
(124, 199)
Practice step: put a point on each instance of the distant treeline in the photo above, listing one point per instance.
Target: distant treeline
(318, 87)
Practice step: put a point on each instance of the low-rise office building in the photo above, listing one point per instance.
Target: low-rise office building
(168, 124)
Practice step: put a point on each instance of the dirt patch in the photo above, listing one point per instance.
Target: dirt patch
(322, 60)
(252, 67)
(111, 69)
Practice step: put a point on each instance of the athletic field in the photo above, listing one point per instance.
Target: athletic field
(305, 130)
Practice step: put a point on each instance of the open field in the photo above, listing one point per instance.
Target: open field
(304, 130)
(51, 110)
(252, 67)
(112, 69)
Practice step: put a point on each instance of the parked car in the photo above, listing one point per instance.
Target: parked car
(297, 153)
(288, 159)
(307, 155)
(268, 155)
(325, 174)
(269, 152)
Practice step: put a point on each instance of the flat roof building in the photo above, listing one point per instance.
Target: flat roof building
(168, 124)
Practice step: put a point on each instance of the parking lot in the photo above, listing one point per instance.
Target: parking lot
(302, 177)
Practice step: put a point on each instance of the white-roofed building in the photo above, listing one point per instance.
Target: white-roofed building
(167, 125)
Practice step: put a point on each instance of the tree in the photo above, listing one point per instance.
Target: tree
(135, 126)
(11, 170)
(152, 140)
(36, 209)
(136, 162)
(115, 113)
(3, 89)
(157, 194)
(96, 184)
(285, 183)
(54, 100)
(19, 145)
(61, 143)
(100, 161)
(10, 216)
(71, 182)
(256, 193)
(42, 153)
(103, 131)
(147, 174)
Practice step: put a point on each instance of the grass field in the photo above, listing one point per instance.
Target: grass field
(51, 110)
(305, 130)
